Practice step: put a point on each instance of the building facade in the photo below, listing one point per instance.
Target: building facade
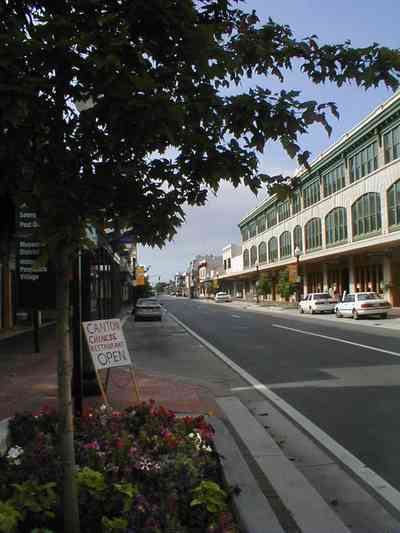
(343, 219)
(210, 269)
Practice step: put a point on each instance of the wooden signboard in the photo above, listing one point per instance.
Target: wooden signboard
(108, 349)
(293, 274)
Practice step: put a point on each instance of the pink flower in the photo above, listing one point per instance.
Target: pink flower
(119, 443)
(92, 445)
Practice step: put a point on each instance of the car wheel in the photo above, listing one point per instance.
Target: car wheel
(384, 315)
(338, 314)
(312, 312)
(301, 310)
(355, 315)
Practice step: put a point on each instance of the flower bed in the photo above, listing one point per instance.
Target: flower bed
(141, 470)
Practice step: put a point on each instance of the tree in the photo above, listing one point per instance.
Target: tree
(161, 129)
(264, 286)
(285, 288)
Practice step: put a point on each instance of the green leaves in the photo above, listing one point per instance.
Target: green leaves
(9, 517)
(210, 495)
(91, 480)
(164, 81)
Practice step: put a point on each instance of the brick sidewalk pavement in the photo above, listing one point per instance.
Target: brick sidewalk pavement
(29, 381)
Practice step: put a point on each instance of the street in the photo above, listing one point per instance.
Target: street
(345, 379)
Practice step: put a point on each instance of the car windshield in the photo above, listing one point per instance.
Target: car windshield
(368, 296)
(322, 295)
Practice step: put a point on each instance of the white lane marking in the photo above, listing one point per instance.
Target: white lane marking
(374, 348)
(235, 316)
(384, 490)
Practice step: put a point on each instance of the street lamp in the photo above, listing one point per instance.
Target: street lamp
(257, 283)
(297, 254)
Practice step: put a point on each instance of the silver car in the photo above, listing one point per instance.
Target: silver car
(360, 304)
(148, 308)
(222, 297)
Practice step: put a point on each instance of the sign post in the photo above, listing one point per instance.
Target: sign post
(108, 349)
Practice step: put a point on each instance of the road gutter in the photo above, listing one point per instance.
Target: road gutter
(375, 484)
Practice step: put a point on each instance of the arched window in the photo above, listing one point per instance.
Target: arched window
(246, 262)
(285, 245)
(273, 250)
(313, 234)
(298, 238)
(245, 233)
(393, 200)
(336, 226)
(253, 255)
(262, 252)
(366, 215)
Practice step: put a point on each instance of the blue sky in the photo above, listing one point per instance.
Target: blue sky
(208, 229)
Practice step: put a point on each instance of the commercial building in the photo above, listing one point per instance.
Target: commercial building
(342, 220)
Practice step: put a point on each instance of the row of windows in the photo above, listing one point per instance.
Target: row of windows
(366, 219)
(361, 164)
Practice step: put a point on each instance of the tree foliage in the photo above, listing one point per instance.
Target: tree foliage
(264, 285)
(168, 118)
(285, 287)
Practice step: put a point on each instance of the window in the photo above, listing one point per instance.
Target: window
(334, 180)
(283, 210)
(262, 252)
(271, 217)
(245, 233)
(364, 162)
(273, 250)
(252, 229)
(229, 262)
(224, 264)
(391, 144)
(393, 197)
(296, 202)
(261, 223)
(298, 238)
(285, 245)
(313, 234)
(336, 226)
(311, 193)
(253, 255)
(366, 214)
(246, 259)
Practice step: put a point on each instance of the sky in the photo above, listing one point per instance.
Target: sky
(209, 228)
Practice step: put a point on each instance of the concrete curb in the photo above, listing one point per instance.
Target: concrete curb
(253, 510)
(383, 491)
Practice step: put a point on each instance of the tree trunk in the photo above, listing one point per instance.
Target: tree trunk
(65, 406)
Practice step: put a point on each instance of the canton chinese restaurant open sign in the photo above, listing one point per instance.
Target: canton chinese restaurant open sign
(106, 343)
(36, 283)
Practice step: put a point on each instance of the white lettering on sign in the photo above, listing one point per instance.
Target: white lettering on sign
(107, 344)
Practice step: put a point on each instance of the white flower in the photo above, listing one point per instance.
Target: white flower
(198, 441)
(103, 407)
(14, 453)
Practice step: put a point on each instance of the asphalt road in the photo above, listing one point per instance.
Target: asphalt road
(352, 392)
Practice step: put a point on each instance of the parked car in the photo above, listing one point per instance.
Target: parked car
(360, 304)
(317, 302)
(148, 308)
(222, 297)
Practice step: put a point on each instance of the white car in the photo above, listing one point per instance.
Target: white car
(317, 302)
(360, 304)
(148, 308)
(222, 297)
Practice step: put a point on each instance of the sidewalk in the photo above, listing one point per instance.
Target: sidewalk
(29, 380)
